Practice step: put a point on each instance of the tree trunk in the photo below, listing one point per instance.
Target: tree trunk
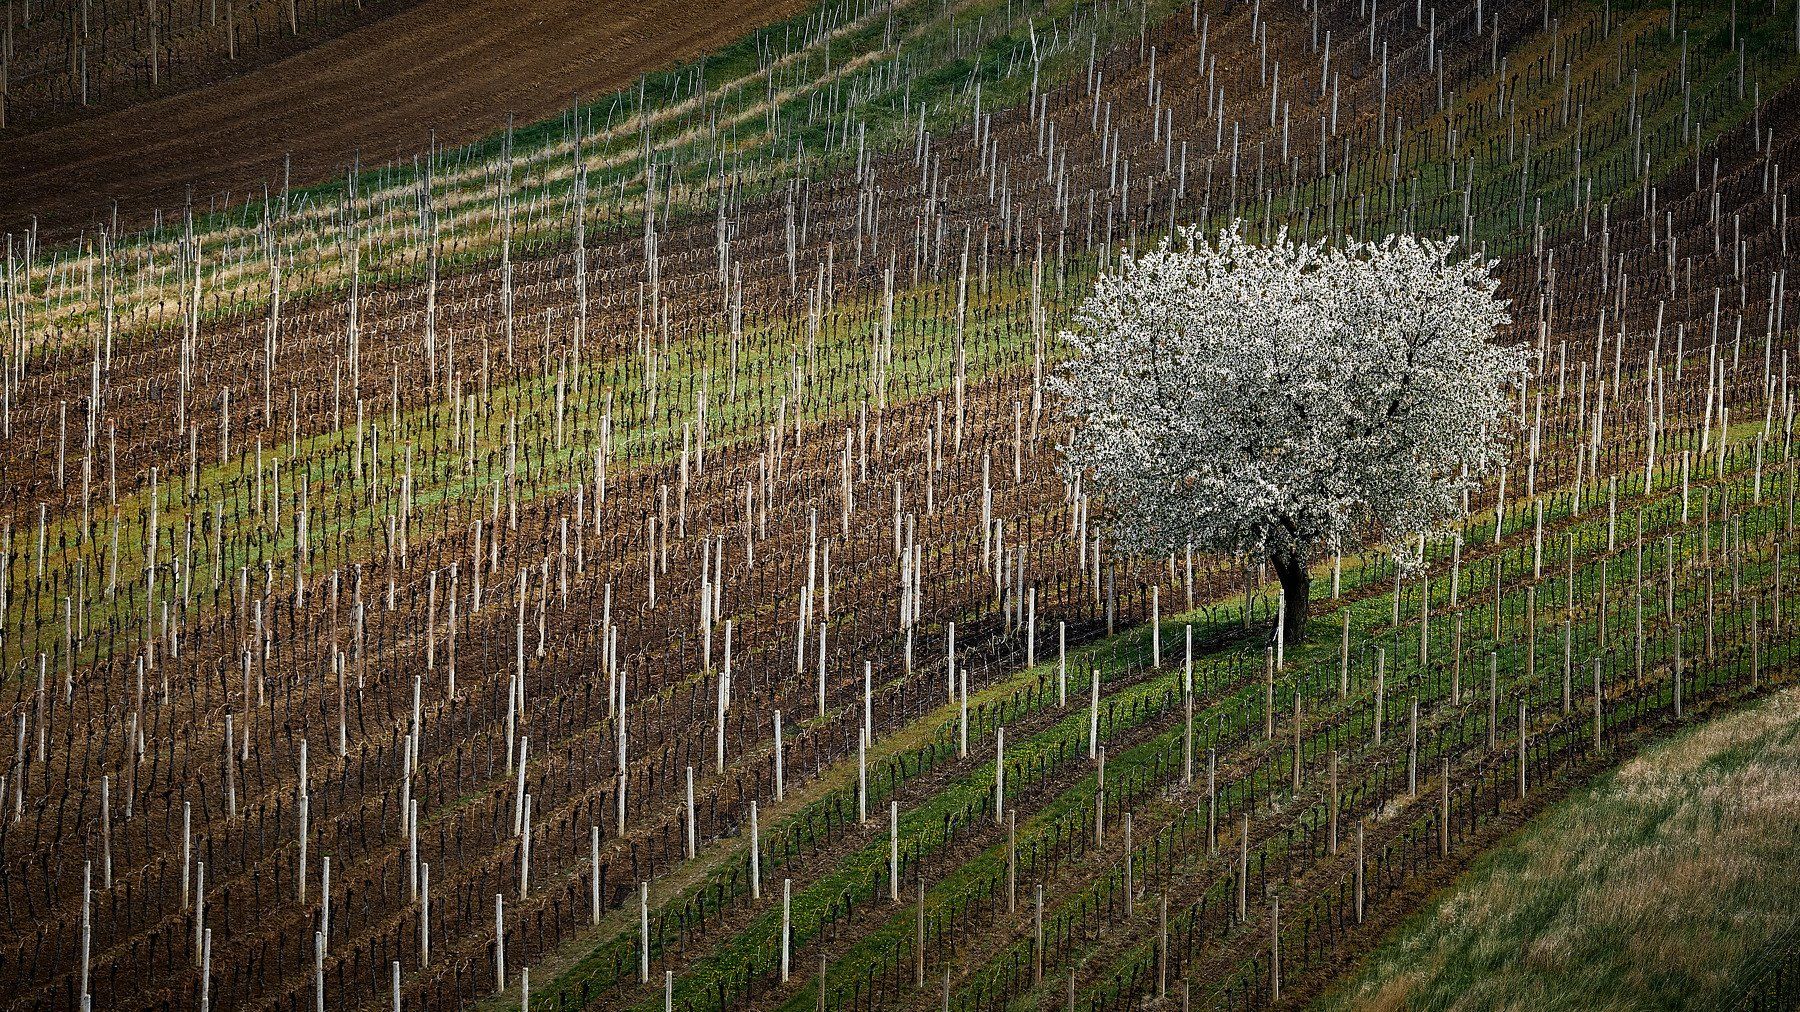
(1296, 588)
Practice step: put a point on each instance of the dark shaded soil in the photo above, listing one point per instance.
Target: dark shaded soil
(454, 66)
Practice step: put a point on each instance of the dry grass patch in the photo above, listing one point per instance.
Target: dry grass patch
(1653, 889)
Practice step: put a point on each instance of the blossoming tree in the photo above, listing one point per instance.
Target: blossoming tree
(1280, 400)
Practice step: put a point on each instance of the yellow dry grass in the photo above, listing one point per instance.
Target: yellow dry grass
(1657, 888)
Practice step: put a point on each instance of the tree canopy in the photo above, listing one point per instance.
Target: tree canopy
(1278, 400)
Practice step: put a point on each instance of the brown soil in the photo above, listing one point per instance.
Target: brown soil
(190, 54)
(453, 65)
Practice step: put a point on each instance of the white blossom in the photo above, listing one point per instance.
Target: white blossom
(1277, 400)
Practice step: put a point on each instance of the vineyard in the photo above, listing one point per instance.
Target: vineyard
(1670, 784)
(627, 562)
(63, 58)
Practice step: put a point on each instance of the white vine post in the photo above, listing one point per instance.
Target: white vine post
(1283, 400)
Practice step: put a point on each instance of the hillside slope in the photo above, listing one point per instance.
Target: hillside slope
(451, 66)
(1657, 888)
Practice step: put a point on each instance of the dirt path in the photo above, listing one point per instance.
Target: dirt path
(458, 66)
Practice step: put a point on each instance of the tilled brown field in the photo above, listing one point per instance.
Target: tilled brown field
(456, 69)
(122, 54)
